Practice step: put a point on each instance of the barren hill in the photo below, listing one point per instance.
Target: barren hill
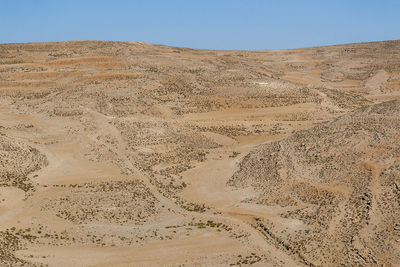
(127, 153)
(339, 182)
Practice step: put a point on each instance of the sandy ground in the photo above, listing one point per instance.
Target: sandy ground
(139, 144)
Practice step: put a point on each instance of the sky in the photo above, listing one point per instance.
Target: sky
(208, 24)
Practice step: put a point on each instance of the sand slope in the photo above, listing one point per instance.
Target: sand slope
(132, 154)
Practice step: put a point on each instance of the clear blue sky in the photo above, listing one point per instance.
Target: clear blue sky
(216, 24)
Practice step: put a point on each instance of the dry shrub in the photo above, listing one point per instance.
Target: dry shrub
(176, 84)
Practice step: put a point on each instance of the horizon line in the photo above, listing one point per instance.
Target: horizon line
(205, 49)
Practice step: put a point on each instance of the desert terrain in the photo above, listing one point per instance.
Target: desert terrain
(133, 154)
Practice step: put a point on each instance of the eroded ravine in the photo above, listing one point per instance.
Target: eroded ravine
(207, 183)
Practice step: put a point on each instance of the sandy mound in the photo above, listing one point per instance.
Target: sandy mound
(17, 160)
(108, 203)
(342, 180)
(8, 244)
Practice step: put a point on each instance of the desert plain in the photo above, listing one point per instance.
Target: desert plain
(133, 154)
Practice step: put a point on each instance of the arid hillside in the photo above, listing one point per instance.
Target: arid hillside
(339, 182)
(132, 154)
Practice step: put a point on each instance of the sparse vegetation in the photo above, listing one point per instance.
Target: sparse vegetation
(126, 148)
